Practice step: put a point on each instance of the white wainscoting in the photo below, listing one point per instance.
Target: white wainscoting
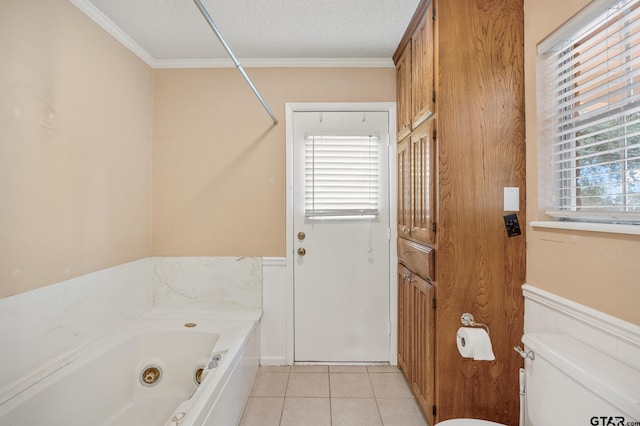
(273, 325)
(545, 312)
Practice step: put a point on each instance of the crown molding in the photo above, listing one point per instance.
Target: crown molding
(276, 63)
(116, 32)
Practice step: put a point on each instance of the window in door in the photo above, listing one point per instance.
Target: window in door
(342, 177)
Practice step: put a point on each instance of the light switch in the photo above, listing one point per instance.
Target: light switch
(511, 199)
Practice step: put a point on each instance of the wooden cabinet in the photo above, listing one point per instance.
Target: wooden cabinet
(416, 321)
(418, 258)
(416, 336)
(415, 76)
(422, 78)
(404, 188)
(423, 347)
(416, 165)
(472, 55)
(403, 92)
(423, 183)
(417, 179)
(404, 321)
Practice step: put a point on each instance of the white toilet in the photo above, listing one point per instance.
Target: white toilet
(571, 383)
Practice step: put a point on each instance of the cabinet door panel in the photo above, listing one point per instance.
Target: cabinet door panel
(422, 75)
(423, 356)
(404, 189)
(404, 320)
(423, 181)
(404, 92)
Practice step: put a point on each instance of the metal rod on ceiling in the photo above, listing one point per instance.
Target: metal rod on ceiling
(215, 29)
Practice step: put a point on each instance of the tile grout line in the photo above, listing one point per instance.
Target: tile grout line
(284, 399)
(375, 398)
(330, 404)
(329, 375)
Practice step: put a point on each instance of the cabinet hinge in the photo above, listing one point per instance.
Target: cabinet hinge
(435, 133)
(433, 303)
(389, 328)
(433, 96)
(434, 227)
(433, 410)
(433, 14)
(389, 234)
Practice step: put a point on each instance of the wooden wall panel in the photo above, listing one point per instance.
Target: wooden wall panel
(480, 109)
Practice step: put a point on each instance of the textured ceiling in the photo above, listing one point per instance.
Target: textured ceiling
(174, 30)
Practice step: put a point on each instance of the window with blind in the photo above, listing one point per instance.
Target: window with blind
(589, 115)
(341, 177)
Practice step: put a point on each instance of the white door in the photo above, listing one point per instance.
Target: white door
(341, 240)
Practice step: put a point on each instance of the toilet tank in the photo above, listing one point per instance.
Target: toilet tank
(571, 383)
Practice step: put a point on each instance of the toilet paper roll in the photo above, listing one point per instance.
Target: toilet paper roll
(474, 343)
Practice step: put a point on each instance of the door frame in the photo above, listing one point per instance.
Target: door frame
(390, 107)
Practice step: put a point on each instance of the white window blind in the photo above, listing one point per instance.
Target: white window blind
(341, 176)
(589, 116)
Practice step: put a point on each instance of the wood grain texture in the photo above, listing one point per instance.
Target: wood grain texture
(480, 109)
(422, 104)
(413, 24)
(420, 259)
(423, 373)
(405, 317)
(404, 93)
(423, 181)
(404, 188)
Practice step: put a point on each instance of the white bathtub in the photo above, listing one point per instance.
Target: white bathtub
(102, 385)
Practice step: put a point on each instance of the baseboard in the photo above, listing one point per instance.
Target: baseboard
(273, 360)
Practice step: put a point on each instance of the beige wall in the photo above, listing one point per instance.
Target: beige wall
(596, 269)
(75, 147)
(218, 161)
(76, 122)
(75, 159)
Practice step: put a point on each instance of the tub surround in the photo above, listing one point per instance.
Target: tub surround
(208, 282)
(47, 327)
(44, 326)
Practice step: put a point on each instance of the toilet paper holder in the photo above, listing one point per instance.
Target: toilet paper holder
(469, 321)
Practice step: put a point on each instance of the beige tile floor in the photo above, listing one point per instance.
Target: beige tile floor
(310, 395)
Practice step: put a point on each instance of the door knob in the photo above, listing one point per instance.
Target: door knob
(302, 251)
(301, 236)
